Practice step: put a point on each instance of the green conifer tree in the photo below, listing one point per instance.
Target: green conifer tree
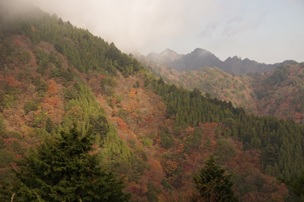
(66, 169)
(213, 184)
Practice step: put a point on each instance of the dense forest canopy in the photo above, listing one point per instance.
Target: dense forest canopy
(276, 138)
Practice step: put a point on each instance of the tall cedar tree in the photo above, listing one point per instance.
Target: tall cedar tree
(213, 184)
(66, 169)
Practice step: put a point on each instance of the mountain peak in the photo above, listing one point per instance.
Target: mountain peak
(168, 55)
(200, 50)
(168, 52)
(152, 54)
(234, 58)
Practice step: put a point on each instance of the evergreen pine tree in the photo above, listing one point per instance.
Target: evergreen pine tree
(66, 169)
(213, 184)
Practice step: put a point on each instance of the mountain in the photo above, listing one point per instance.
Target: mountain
(237, 66)
(274, 90)
(156, 136)
(202, 58)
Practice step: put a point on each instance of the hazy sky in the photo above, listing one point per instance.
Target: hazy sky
(264, 30)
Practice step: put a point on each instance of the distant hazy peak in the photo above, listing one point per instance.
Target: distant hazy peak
(234, 58)
(201, 51)
(168, 52)
(203, 54)
(152, 54)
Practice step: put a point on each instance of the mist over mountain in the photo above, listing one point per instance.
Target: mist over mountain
(202, 58)
(167, 56)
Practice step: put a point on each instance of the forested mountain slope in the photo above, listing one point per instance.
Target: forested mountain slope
(56, 77)
(280, 93)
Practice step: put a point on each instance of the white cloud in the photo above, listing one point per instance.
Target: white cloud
(133, 24)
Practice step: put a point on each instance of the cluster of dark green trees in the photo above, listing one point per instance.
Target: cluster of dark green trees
(190, 107)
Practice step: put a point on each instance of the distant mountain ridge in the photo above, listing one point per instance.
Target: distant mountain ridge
(202, 58)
